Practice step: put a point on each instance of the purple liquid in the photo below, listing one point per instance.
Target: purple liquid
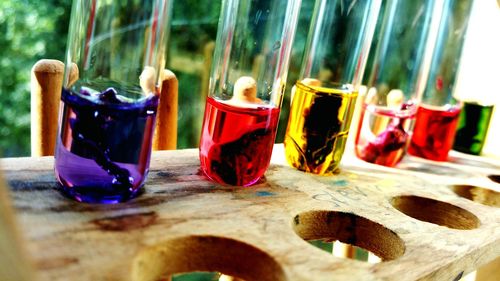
(104, 145)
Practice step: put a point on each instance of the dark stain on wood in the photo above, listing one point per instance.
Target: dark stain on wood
(187, 174)
(28, 186)
(54, 263)
(191, 190)
(459, 276)
(27, 181)
(126, 222)
(495, 178)
(151, 197)
(165, 174)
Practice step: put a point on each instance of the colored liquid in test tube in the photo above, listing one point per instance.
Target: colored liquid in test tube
(394, 79)
(434, 132)
(109, 98)
(248, 75)
(318, 126)
(108, 137)
(438, 112)
(324, 98)
(385, 133)
(237, 140)
(472, 128)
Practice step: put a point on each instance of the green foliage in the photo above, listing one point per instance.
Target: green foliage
(194, 23)
(29, 31)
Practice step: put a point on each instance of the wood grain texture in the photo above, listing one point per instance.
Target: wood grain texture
(46, 85)
(14, 263)
(184, 222)
(165, 136)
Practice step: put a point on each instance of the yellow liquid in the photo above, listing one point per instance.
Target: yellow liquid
(318, 126)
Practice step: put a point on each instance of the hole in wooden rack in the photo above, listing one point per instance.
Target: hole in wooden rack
(478, 194)
(349, 229)
(205, 254)
(436, 212)
(344, 250)
(495, 178)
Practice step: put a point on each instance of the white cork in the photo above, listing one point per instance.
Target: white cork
(147, 80)
(74, 74)
(395, 98)
(313, 82)
(245, 90)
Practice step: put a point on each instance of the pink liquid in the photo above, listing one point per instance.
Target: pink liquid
(384, 134)
(434, 132)
(237, 142)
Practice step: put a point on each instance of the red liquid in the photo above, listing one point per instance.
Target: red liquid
(434, 132)
(237, 142)
(384, 134)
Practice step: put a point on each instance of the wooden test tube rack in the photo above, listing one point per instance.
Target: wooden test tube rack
(410, 216)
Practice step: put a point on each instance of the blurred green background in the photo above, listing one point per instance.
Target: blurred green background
(32, 30)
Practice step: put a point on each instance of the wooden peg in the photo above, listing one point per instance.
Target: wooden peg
(371, 96)
(148, 80)
(74, 75)
(165, 136)
(245, 90)
(46, 85)
(14, 264)
(313, 82)
(395, 98)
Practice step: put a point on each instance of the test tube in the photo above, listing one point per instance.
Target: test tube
(109, 99)
(247, 83)
(395, 79)
(473, 123)
(325, 95)
(480, 62)
(437, 115)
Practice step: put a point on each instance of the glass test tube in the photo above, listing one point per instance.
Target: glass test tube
(323, 99)
(246, 89)
(395, 78)
(480, 62)
(109, 98)
(437, 115)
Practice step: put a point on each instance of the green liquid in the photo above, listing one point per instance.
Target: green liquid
(472, 128)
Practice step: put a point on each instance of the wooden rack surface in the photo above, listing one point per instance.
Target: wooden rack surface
(427, 220)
